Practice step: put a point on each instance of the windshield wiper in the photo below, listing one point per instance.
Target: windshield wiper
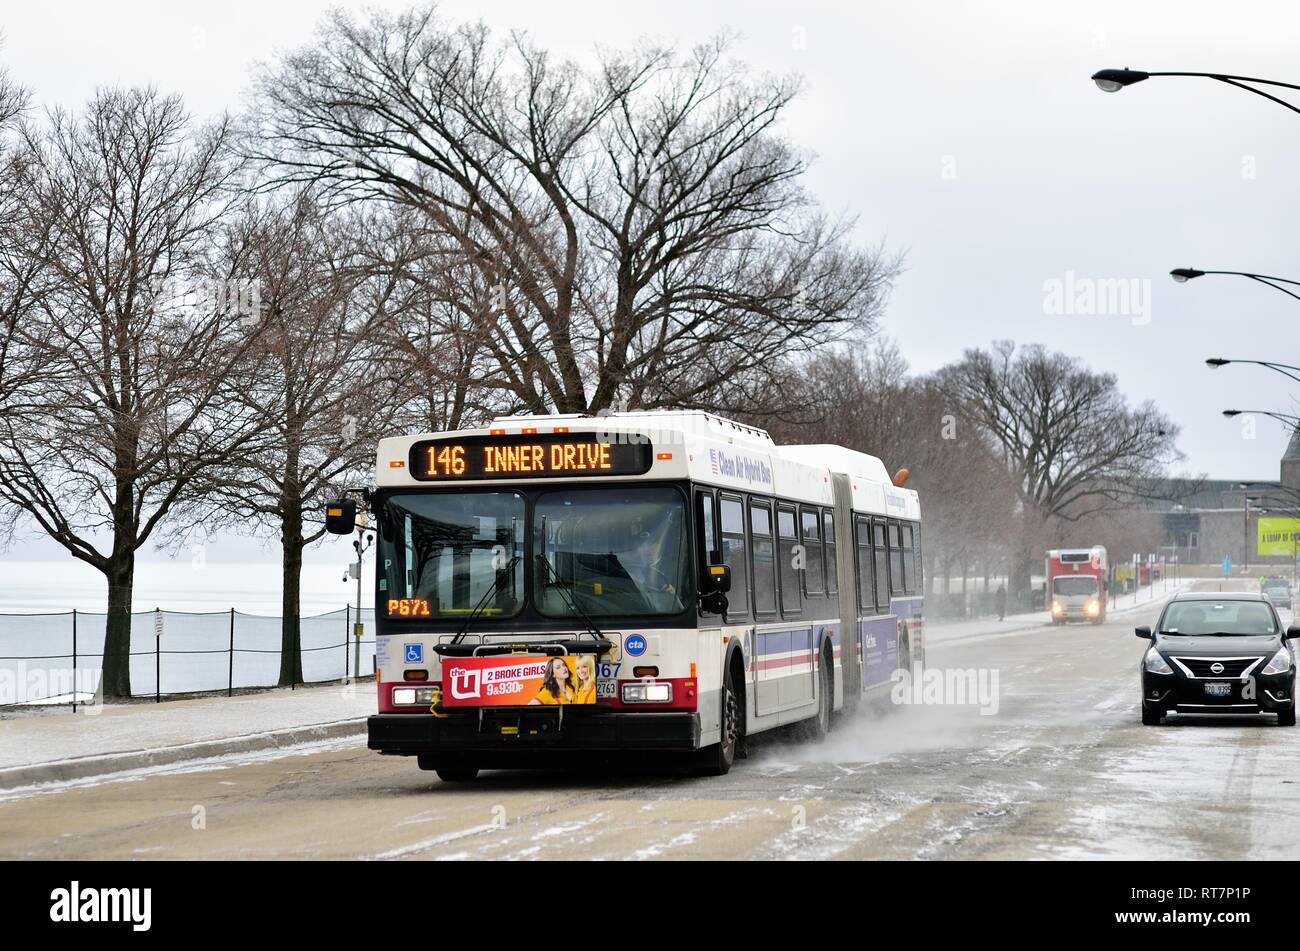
(492, 589)
(596, 634)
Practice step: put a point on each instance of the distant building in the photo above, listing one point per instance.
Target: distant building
(1206, 522)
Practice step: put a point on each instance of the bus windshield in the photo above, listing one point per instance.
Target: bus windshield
(614, 551)
(441, 553)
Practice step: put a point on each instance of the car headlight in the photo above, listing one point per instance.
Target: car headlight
(1280, 663)
(1092, 608)
(1156, 664)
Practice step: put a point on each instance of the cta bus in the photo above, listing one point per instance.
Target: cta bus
(654, 582)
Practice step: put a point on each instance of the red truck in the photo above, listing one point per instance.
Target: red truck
(1076, 584)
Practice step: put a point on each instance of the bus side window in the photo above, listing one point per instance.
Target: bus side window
(763, 555)
(788, 534)
(832, 563)
(866, 596)
(882, 567)
(811, 539)
(920, 562)
(708, 552)
(734, 556)
(896, 579)
(909, 558)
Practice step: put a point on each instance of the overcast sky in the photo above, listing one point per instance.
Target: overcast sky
(966, 133)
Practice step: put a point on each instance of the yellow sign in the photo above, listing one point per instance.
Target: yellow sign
(1277, 536)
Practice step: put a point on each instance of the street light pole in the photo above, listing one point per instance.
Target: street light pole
(1245, 532)
(1182, 275)
(1284, 368)
(361, 546)
(1113, 80)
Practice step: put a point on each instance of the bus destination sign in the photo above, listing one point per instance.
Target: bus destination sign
(527, 456)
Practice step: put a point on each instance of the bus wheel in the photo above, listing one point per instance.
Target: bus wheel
(819, 726)
(716, 760)
(449, 770)
(457, 774)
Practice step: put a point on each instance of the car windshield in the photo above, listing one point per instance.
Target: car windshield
(449, 549)
(614, 551)
(1218, 617)
(1074, 585)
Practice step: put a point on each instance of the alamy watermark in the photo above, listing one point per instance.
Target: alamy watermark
(1074, 296)
(951, 686)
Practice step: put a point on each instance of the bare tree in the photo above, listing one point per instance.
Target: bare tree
(132, 401)
(865, 398)
(22, 250)
(637, 232)
(1071, 443)
(309, 377)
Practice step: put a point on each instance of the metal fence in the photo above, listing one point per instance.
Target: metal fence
(59, 657)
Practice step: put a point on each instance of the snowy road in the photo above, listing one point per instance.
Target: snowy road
(1062, 769)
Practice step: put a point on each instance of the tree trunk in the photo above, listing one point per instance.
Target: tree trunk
(290, 624)
(120, 574)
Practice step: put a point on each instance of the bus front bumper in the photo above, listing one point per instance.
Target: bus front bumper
(412, 734)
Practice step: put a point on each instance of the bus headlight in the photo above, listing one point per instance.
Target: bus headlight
(1058, 607)
(647, 693)
(415, 696)
(1092, 608)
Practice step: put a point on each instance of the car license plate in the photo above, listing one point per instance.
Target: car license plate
(606, 689)
(1218, 690)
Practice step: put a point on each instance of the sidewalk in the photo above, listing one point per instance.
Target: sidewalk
(45, 746)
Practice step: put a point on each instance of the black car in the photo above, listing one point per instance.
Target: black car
(1220, 653)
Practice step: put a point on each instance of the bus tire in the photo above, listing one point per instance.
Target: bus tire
(817, 728)
(716, 760)
(449, 770)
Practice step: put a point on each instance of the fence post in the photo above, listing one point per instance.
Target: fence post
(230, 686)
(74, 660)
(157, 655)
(347, 626)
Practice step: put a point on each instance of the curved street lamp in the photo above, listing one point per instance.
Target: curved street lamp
(1292, 421)
(1113, 80)
(1284, 368)
(1182, 275)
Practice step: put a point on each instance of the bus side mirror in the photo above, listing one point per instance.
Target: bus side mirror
(1143, 632)
(718, 580)
(341, 517)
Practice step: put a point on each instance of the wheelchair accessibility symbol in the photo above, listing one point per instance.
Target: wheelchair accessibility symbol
(414, 653)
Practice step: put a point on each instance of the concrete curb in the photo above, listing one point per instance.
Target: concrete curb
(85, 767)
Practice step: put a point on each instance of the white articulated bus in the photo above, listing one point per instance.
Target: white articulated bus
(653, 582)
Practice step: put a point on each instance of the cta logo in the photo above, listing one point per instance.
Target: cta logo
(77, 904)
(635, 645)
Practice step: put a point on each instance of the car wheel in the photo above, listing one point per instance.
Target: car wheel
(1153, 717)
(1287, 717)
